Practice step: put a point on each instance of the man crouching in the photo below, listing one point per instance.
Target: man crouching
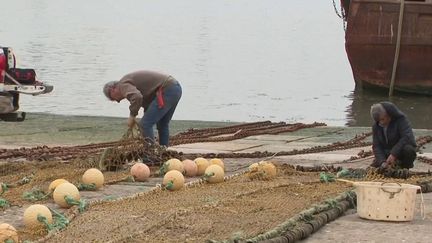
(393, 139)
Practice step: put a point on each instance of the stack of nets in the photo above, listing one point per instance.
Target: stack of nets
(134, 147)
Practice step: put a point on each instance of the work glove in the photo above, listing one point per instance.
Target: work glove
(131, 121)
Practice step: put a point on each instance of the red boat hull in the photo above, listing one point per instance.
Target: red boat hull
(371, 35)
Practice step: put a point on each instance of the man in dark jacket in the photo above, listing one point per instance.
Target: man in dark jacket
(393, 139)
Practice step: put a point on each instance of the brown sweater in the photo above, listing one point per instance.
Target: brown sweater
(140, 87)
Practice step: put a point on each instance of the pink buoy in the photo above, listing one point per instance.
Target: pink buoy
(190, 168)
(140, 171)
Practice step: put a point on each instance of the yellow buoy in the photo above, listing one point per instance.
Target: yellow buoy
(202, 165)
(174, 164)
(55, 183)
(218, 162)
(270, 170)
(65, 189)
(214, 174)
(8, 233)
(93, 176)
(253, 166)
(31, 215)
(263, 170)
(173, 180)
(140, 171)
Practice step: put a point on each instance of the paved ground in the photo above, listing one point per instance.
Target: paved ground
(305, 138)
(57, 130)
(355, 229)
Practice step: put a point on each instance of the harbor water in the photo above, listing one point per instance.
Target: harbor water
(245, 60)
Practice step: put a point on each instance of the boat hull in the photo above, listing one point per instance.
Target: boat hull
(370, 43)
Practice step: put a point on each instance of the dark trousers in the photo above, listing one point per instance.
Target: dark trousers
(404, 160)
(407, 156)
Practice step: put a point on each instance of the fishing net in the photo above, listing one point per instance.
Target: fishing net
(326, 177)
(82, 205)
(4, 203)
(238, 207)
(134, 147)
(59, 221)
(35, 195)
(86, 187)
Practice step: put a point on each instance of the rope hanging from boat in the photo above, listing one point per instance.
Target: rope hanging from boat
(337, 12)
(396, 58)
(341, 14)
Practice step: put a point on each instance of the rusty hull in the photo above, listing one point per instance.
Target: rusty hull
(371, 35)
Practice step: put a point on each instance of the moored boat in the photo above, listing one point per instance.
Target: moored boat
(373, 49)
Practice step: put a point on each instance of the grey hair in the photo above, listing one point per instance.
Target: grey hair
(108, 86)
(376, 111)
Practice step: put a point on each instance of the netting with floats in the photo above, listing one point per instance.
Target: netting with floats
(238, 208)
(288, 208)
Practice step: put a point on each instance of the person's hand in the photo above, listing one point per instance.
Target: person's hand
(131, 121)
(391, 160)
(382, 167)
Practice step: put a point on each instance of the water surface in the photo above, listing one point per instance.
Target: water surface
(243, 60)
